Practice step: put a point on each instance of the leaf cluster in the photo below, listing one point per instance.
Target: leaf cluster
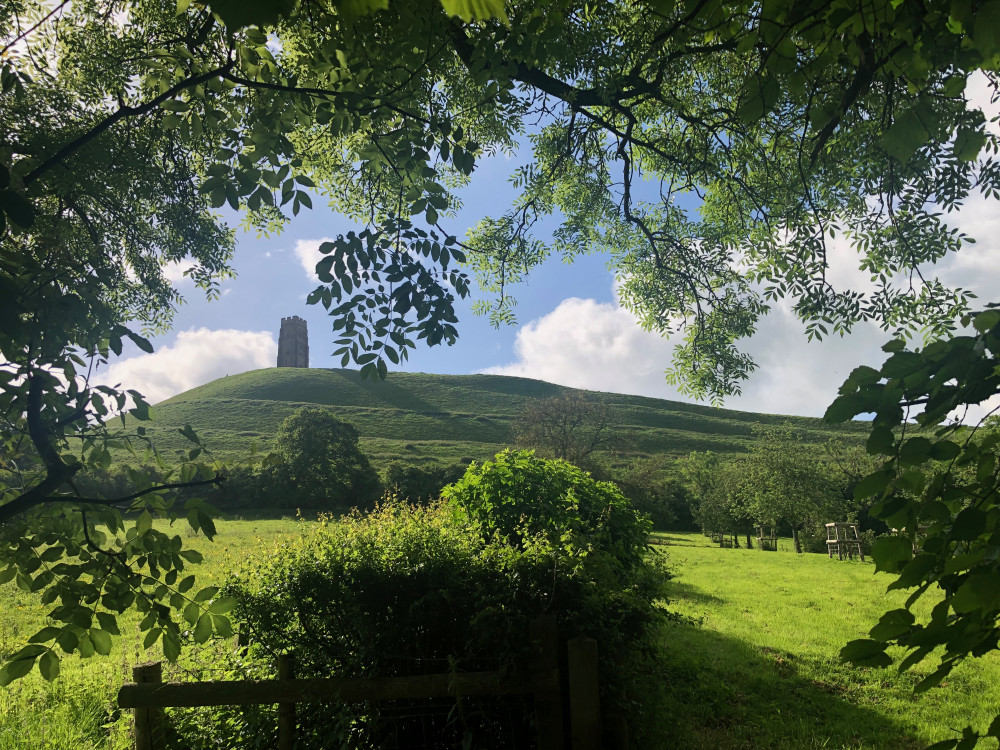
(938, 486)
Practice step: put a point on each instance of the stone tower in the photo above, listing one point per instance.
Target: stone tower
(293, 343)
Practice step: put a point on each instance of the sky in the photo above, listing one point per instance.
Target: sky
(570, 331)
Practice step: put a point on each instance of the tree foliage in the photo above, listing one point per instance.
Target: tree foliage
(518, 496)
(939, 485)
(783, 485)
(319, 463)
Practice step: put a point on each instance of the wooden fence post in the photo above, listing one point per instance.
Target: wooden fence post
(286, 711)
(548, 700)
(584, 694)
(149, 723)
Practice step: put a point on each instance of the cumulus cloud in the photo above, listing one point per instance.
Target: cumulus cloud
(196, 357)
(174, 270)
(599, 346)
(307, 251)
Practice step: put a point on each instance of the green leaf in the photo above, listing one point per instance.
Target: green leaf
(48, 665)
(203, 629)
(45, 634)
(865, 653)
(101, 641)
(907, 133)
(892, 624)
(968, 143)
(881, 440)
(891, 553)
(915, 451)
(223, 627)
(915, 572)
(206, 593)
(108, 622)
(139, 341)
(476, 10)
(945, 450)
(222, 605)
(969, 525)
(238, 14)
(144, 523)
(171, 645)
(15, 670)
(872, 484)
(17, 208)
(151, 637)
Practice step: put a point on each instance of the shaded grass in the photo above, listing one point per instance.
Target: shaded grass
(760, 669)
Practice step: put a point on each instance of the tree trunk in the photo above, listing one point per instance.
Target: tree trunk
(749, 541)
(795, 537)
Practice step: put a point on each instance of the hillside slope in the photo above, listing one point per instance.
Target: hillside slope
(420, 418)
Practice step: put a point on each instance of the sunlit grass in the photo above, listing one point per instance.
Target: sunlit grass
(761, 669)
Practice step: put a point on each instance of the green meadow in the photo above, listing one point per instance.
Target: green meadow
(426, 419)
(751, 664)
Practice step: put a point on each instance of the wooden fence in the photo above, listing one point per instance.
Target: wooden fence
(148, 695)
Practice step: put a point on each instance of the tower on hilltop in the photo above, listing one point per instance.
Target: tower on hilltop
(293, 343)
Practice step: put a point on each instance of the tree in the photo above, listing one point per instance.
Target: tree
(711, 480)
(785, 484)
(569, 427)
(320, 463)
(126, 123)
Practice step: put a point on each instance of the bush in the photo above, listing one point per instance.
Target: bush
(454, 584)
(417, 484)
(519, 495)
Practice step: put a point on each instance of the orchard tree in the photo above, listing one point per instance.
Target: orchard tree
(786, 484)
(127, 122)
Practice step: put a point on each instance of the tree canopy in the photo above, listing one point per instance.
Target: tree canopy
(129, 122)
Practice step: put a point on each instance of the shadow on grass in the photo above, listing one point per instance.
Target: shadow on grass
(725, 694)
(675, 589)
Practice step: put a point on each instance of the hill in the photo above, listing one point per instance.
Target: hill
(423, 419)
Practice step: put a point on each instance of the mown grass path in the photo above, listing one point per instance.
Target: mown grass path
(761, 668)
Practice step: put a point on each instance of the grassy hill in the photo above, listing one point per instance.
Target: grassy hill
(423, 419)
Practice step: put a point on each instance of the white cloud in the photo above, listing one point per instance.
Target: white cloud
(196, 357)
(307, 251)
(979, 94)
(174, 270)
(586, 344)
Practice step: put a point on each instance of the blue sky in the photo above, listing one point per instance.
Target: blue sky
(571, 330)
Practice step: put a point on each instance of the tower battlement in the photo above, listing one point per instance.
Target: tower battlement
(293, 343)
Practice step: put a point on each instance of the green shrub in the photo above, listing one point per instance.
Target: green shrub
(519, 495)
(407, 589)
(417, 484)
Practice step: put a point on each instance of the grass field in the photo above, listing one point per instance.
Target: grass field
(424, 419)
(753, 665)
(760, 670)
